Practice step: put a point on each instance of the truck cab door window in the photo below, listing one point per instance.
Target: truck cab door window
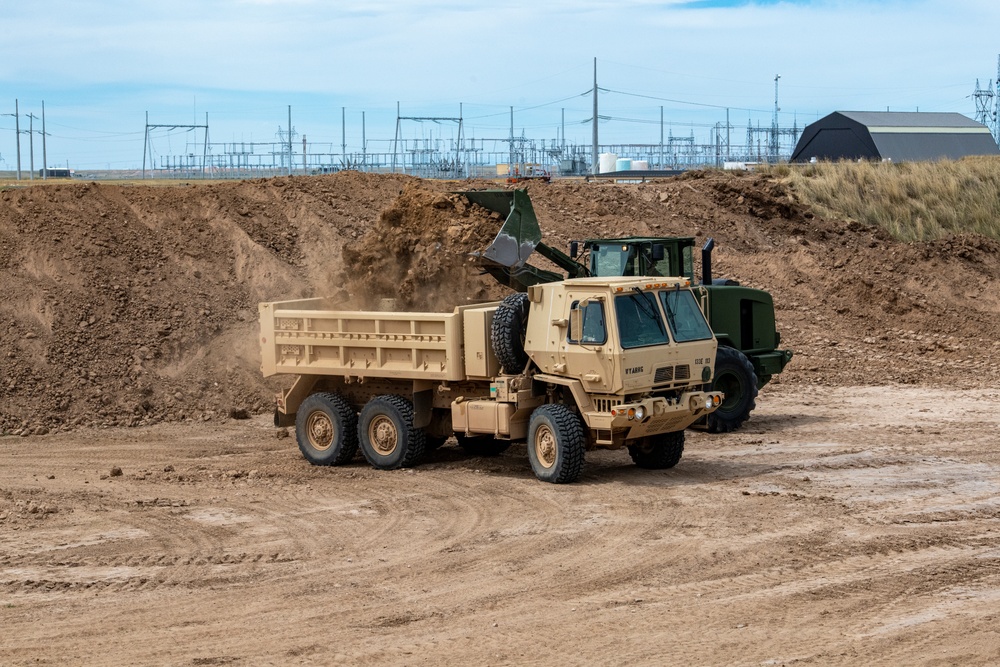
(592, 329)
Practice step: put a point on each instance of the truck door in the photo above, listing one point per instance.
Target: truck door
(585, 349)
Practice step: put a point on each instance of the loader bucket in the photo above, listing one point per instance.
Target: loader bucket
(506, 259)
(520, 233)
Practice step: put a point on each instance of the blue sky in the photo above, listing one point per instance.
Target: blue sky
(100, 66)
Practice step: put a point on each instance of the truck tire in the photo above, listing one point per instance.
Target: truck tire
(735, 377)
(482, 445)
(657, 452)
(326, 428)
(510, 322)
(386, 433)
(556, 444)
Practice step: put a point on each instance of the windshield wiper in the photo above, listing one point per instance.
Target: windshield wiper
(648, 309)
(671, 318)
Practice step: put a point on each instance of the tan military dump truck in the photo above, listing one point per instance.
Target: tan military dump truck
(568, 366)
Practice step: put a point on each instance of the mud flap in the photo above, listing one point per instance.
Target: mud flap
(423, 404)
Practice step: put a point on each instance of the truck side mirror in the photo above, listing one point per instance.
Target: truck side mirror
(574, 249)
(658, 252)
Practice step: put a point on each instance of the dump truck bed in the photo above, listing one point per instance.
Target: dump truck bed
(311, 337)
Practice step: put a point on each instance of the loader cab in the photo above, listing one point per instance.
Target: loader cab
(641, 256)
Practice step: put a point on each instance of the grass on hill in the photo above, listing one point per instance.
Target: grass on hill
(913, 201)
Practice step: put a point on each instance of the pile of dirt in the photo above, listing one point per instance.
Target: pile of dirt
(129, 305)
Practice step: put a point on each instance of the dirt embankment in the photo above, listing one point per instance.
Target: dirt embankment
(130, 305)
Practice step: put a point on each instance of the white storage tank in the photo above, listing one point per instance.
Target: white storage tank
(640, 165)
(606, 162)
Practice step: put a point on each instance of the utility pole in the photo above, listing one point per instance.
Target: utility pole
(510, 160)
(661, 136)
(364, 142)
(289, 139)
(774, 123)
(593, 151)
(31, 143)
(45, 157)
(17, 135)
(343, 137)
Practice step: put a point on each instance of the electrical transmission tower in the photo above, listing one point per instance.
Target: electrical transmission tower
(985, 107)
(147, 148)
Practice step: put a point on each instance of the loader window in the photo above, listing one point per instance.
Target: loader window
(612, 259)
(594, 331)
(684, 316)
(639, 320)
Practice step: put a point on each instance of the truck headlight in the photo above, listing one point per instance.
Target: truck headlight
(640, 413)
(709, 403)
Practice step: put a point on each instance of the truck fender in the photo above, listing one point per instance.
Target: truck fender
(576, 390)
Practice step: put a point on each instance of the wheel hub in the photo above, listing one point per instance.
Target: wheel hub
(320, 431)
(383, 435)
(545, 446)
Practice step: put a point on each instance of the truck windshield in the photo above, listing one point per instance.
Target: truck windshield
(639, 320)
(684, 316)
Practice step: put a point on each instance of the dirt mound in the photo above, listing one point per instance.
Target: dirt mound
(129, 305)
(418, 253)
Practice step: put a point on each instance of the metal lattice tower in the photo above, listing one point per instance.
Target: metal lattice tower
(985, 106)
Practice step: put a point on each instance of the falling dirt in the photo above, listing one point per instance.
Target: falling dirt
(150, 513)
(418, 254)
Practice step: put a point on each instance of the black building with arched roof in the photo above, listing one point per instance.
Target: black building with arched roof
(896, 136)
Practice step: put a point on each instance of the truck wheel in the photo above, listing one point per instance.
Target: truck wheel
(387, 435)
(556, 444)
(326, 428)
(734, 376)
(482, 445)
(510, 321)
(657, 452)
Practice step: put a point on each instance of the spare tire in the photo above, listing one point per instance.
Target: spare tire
(510, 322)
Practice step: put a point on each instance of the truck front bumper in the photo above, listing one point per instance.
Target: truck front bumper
(652, 416)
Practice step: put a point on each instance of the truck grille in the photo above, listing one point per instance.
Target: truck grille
(605, 404)
(672, 373)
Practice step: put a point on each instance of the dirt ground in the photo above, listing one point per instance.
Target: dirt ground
(151, 514)
(845, 525)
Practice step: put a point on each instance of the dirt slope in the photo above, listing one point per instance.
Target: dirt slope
(129, 305)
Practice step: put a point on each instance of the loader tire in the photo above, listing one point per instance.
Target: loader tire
(556, 444)
(735, 377)
(326, 428)
(386, 433)
(657, 452)
(510, 322)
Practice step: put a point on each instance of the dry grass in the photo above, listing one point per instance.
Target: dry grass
(913, 201)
